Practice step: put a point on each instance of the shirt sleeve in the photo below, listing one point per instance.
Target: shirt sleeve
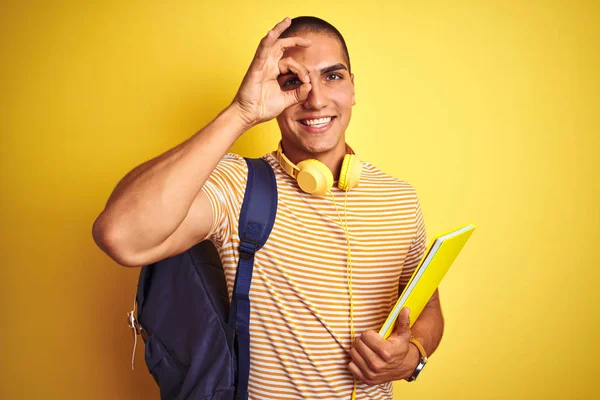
(225, 188)
(417, 247)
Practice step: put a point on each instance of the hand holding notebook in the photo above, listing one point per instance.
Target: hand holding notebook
(436, 261)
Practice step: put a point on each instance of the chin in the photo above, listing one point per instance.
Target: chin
(318, 144)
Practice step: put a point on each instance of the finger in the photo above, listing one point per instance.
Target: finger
(371, 353)
(378, 346)
(288, 64)
(282, 26)
(359, 361)
(264, 46)
(297, 95)
(403, 322)
(274, 33)
(287, 43)
(358, 374)
(271, 37)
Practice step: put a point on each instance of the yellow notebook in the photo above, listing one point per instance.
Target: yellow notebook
(436, 261)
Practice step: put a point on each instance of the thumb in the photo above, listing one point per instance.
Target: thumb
(403, 322)
(296, 96)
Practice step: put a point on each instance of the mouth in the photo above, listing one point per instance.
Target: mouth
(316, 124)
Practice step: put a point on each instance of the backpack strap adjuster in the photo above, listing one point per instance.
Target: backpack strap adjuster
(247, 248)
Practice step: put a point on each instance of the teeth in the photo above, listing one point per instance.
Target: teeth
(320, 121)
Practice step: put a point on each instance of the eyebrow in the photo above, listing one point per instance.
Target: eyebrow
(335, 67)
(325, 70)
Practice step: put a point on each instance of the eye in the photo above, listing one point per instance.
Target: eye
(334, 76)
(291, 82)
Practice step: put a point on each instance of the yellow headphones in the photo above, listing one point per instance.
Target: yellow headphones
(315, 178)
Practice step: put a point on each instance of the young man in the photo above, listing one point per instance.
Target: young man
(333, 265)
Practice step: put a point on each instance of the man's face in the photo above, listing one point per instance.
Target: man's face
(317, 124)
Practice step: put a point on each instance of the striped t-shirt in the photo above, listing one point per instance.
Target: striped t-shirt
(300, 315)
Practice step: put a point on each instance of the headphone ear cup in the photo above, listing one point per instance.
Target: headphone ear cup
(314, 177)
(343, 181)
(350, 173)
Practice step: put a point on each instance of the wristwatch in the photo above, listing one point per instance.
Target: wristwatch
(422, 361)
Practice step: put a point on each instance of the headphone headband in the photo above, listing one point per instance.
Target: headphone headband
(288, 166)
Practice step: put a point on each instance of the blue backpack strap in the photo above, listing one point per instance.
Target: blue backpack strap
(256, 221)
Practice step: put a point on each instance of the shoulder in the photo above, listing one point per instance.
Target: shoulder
(237, 163)
(374, 178)
(231, 168)
(228, 179)
(232, 161)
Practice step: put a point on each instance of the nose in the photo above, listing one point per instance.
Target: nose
(317, 98)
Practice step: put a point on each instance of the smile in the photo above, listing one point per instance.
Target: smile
(317, 124)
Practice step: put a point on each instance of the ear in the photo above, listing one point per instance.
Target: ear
(353, 97)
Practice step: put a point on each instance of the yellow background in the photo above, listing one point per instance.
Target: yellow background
(490, 109)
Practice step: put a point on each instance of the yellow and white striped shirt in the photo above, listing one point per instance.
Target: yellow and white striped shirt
(300, 315)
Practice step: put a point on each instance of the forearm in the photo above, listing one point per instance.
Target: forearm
(150, 202)
(428, 330)
(429, 327)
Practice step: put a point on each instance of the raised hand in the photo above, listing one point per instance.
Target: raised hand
(260, 98)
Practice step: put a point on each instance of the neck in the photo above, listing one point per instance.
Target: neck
(331, 158)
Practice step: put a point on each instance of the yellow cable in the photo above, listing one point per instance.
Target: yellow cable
(349, 268)
(349, 272)
(344, 224)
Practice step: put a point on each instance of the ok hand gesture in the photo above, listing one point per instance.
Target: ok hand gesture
(260, 98)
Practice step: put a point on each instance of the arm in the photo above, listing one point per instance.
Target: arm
(375, 360)
(429, 327)
(158, 209)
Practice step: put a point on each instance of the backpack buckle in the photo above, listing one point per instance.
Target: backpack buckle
(133, 323)
(137, 329)
(247, 248)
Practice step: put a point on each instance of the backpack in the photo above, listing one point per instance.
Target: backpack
(197, 345)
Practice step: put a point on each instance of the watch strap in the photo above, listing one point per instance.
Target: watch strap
(420, 347)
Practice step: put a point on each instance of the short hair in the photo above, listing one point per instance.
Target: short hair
(307, 24)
